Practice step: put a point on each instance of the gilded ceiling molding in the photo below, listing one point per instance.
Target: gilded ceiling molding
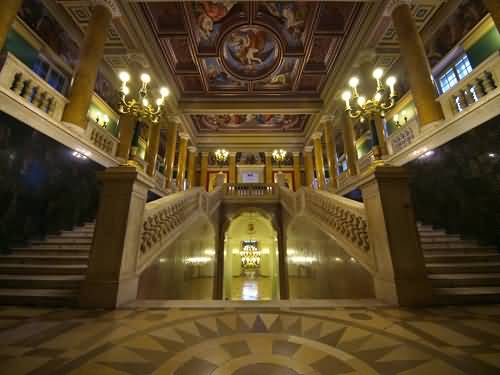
(112, 5)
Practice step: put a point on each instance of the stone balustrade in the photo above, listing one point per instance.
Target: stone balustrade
(164, 219)
(30, 88)
(404, 136)
(101, 138)
(251, 190)
(482, 82)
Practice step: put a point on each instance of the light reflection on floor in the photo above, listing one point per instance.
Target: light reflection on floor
(251, 289)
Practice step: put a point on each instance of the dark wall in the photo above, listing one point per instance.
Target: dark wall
(458, 187)
(43, 187)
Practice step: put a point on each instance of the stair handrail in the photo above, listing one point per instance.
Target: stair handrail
(166, 218)
(342, 218)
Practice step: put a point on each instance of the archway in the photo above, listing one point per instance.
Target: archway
(251, 258)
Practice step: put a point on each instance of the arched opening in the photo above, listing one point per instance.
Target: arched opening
(318, 268)
(185, 270)
(251, 258)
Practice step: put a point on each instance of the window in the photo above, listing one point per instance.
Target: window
(49, 73)
(460, 69)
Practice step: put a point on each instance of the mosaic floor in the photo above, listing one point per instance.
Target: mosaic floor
(374, 340)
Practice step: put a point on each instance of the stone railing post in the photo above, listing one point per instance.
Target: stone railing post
(400, 275)
(111, 276)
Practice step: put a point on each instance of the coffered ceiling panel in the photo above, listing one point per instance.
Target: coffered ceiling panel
(234, 48)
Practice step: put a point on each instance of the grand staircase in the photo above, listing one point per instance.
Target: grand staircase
(47, 272)
(461, 271)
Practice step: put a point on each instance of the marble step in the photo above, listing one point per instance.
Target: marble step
(457, 251)
(467, 295)
(445, 239)
(42, 269)
(44, 259)
(63, 241)
(452, 257)
(436, 233)
(463, 267)
(453, 245)
(39, 297)
(465, 280)
(71, 235)
(41, 281)
(52, 251)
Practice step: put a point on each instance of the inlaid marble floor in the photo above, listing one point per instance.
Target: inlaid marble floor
(251, 341)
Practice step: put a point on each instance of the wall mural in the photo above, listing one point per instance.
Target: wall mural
(250, 47)
(232, 122)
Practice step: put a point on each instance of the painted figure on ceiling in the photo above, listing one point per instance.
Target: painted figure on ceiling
(289, 13)
(247, 45)
(211, 12)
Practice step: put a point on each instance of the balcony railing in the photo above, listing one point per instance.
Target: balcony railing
(101, 138)
(30, 88)
(481, 83)
(251, 190)
(404, 136)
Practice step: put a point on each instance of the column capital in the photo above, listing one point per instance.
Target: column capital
(184, 136)
(268, 153)
(393, 4)
(316, 135)
(112, 6)
(192, 148)
(296, 154)
(205, 154)
(232, 153)
(308, 148)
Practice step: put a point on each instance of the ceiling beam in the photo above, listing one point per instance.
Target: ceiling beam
(261, 106)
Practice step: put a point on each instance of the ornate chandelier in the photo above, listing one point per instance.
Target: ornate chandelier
(221, 156)
(279, 156)
(358, 106)
(140, 106)
(250, 256)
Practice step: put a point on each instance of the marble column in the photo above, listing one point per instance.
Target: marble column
(153, 146)
(350, 146)
(269, 168)
(232, 167)
(297, 178)
(181, 166)
(127, 126)
(493, 7)
(400, 277)
(170, 153)
(192, 166)
(308, 166)
(318, 160)
(204, 171)
(7, 17)
(331, 152)
(417, 66)
(91, 54)
(111, 278)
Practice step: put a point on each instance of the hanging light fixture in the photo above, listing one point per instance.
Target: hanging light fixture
(279, 156)
(359, 107)
(140, 105)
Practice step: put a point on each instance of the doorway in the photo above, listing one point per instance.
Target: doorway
(251, 259)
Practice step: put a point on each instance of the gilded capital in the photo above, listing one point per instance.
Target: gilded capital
(112, 5)
(308, 148)
(192, 148)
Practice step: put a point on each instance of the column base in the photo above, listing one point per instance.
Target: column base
(108, 294)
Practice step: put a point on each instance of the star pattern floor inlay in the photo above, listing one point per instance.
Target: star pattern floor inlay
(251, 341)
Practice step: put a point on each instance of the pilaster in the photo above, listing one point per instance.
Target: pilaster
(181, 167)
(318, 160)
(232, 167)
(331, 152)
(193, 153)
(170, 152)
(308, 166)
(204, 171)
(297, 178)
(269, 168)
(153, 146)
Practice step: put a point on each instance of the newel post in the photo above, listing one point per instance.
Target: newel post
(111, 277)
(400, 276)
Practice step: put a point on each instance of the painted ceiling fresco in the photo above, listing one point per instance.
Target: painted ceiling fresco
(250, 122)
(223, 48)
